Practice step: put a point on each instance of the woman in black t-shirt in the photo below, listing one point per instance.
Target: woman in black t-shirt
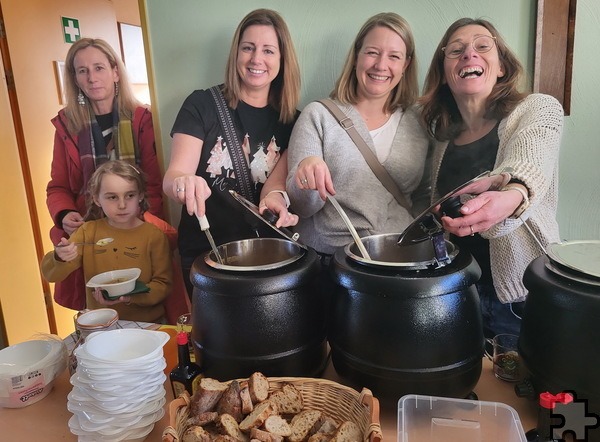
(261, 92)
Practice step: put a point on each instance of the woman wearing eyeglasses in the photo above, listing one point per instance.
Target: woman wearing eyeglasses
(480, 121)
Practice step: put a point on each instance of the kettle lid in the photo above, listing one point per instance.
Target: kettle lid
(428, 224)
(268, 217)
(576, 258)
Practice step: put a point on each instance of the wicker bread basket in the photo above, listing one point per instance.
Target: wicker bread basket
(337, 401)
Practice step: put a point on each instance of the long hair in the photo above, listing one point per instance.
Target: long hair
(440, 112)
(122, 169)
(284, 93)
(77, 115)
(405, 93)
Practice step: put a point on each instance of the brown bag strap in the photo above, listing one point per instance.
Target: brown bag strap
(366, 152)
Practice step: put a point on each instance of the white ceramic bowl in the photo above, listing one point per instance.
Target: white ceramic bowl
(36, 364)
(116, 282)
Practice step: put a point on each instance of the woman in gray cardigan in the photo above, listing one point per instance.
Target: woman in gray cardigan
(375, 90)
(480, 121)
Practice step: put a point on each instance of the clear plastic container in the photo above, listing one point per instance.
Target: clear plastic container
(430, 418)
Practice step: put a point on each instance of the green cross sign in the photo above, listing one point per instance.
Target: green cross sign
(71, 29)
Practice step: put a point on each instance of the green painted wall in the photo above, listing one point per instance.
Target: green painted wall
(189, 42)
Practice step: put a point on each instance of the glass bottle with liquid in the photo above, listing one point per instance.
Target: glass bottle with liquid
(187, 374)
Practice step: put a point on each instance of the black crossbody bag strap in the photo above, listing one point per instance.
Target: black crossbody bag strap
(238, 159)
(379, 171)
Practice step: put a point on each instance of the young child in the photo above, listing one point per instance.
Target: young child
(116, 201)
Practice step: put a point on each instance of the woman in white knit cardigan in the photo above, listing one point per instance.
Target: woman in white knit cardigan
(481, 121)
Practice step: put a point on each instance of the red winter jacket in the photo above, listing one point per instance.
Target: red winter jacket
(66, 189)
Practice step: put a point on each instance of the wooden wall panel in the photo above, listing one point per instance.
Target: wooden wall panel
(554, 49)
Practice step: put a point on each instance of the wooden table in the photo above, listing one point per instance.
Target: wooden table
(47, 420)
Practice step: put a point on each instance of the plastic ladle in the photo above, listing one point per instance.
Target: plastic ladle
(359, 244)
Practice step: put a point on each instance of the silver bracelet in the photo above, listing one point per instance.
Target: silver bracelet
(524, 203)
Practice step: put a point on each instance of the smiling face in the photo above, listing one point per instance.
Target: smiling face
(380, 63)
(473, 74)
(258, 59)
(96, 78)
(120, 201)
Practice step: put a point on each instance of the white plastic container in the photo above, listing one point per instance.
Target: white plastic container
(433, 419)
(28, 370)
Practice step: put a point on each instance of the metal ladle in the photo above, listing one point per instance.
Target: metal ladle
(359, 244)
(205, 227)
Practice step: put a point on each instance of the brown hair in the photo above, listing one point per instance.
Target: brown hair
(405, 93)
(284, 93)
(122, 169)
(77, 115)
(440, 113)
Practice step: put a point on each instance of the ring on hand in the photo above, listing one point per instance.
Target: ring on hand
(472, 232)
(304, 181)
(180, 189)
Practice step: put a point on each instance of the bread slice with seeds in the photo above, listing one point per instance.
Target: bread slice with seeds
(259, 415)
(288, 399)
(304, 424)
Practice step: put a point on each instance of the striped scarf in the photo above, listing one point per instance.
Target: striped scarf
(93, 151)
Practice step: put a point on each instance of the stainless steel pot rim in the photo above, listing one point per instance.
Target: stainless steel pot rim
(401, 265)
(581, 256)
(296, 252)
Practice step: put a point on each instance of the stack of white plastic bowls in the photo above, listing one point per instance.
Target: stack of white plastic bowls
(118, 388)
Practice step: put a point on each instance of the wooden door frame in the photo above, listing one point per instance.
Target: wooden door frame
(26, 171)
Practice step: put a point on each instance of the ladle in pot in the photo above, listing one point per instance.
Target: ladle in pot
(359, 244)
(205, 227)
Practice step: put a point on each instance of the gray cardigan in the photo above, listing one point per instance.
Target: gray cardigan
(370, 207)
(529, 145)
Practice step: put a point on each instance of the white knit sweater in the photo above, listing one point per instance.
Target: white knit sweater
(529, 145)
(370, 207)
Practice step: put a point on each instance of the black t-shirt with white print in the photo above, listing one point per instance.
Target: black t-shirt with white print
(263, 140)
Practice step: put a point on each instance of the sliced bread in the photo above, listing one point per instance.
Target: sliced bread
(304, 424)
(275, 424)
(259, 415)
(258, 385)
(288, 399)
(347, 432)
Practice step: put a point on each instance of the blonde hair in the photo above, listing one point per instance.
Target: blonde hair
(284, 91)
(406, 92)
(119, 168)
(77, 115)
(440, 114)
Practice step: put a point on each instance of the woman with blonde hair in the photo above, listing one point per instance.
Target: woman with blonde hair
(375, 91)
(234, 136)
(101, 121)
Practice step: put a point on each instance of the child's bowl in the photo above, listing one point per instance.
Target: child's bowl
(116, 282)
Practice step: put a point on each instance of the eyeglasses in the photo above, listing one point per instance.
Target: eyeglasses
(481, 44)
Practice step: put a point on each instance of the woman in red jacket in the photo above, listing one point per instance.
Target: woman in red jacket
(101, 121)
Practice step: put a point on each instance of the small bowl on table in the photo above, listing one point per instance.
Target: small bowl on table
(116, 282)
